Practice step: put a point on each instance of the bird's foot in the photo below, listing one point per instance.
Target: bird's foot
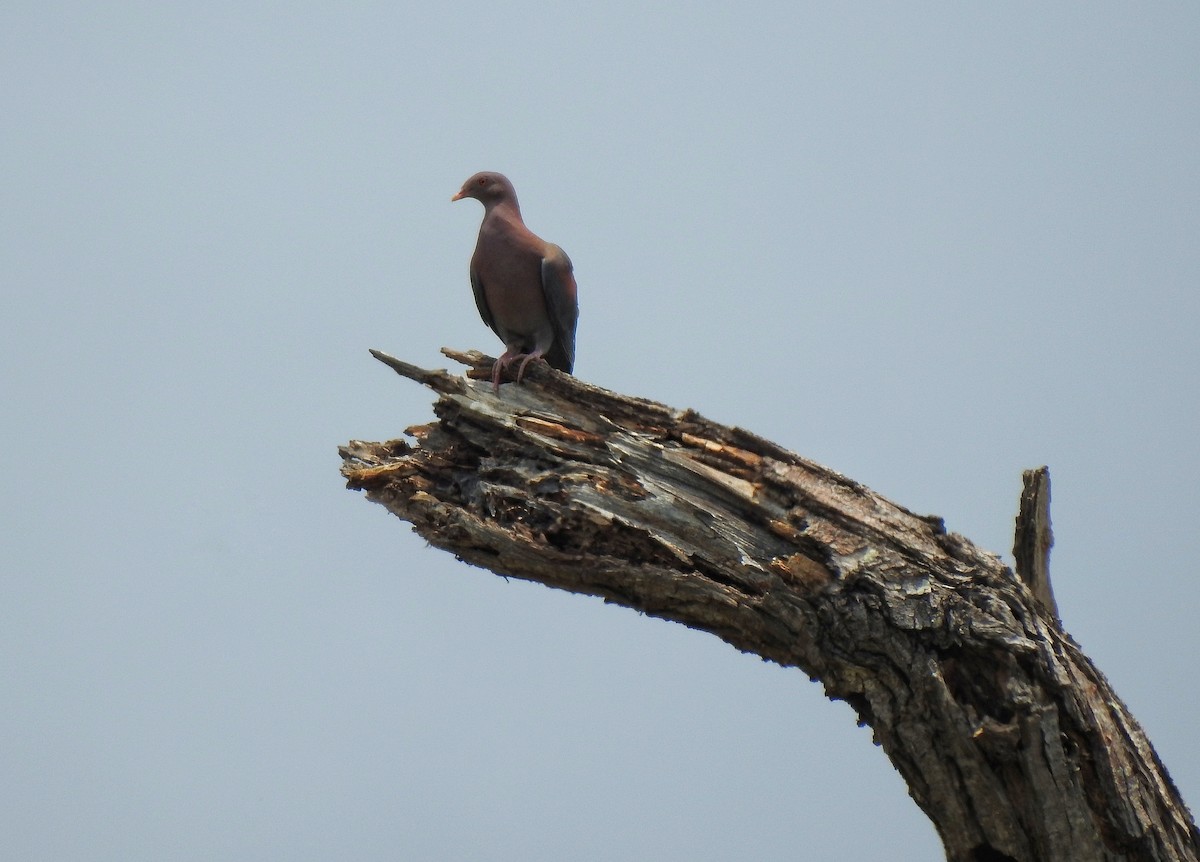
(498, 369)
(537, 354)
(506, 359)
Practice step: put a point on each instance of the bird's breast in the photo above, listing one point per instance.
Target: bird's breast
(510, 269)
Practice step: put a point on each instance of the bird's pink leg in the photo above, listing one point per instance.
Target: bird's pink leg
(537, 354)
(498, 369)
(499, 365)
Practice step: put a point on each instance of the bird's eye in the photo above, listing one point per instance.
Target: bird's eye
(482, 181)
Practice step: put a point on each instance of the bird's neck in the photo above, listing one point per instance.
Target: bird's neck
(507, 210)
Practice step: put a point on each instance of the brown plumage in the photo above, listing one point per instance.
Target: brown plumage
(524, 286)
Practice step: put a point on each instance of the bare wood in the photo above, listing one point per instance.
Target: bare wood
(1034, 538)
(1010, 740)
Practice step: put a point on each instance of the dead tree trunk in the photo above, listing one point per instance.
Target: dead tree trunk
(1010, 740)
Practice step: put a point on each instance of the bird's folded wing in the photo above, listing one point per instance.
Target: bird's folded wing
(558, 285)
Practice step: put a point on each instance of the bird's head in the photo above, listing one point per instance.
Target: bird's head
(487, 187)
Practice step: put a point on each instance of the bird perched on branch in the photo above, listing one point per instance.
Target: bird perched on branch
(524, 286)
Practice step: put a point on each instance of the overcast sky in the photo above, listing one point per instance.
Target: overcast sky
(928, 245)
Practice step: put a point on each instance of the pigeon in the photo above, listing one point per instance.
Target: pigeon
(524, 286)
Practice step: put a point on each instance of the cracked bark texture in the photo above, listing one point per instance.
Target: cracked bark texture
(1009, 738)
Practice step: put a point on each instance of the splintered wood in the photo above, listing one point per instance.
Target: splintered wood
(1009, 738)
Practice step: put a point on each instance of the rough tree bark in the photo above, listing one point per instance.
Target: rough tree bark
(1010, 740)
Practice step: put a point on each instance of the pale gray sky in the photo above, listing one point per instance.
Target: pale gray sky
(928, 245)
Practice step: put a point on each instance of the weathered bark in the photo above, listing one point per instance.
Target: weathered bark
(1010, 740)
(1034, 538)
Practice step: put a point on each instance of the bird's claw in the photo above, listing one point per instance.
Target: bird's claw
(537, 354)
(507, 359)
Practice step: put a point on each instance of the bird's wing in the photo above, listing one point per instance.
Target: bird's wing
(558, 285)
(481, 300)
